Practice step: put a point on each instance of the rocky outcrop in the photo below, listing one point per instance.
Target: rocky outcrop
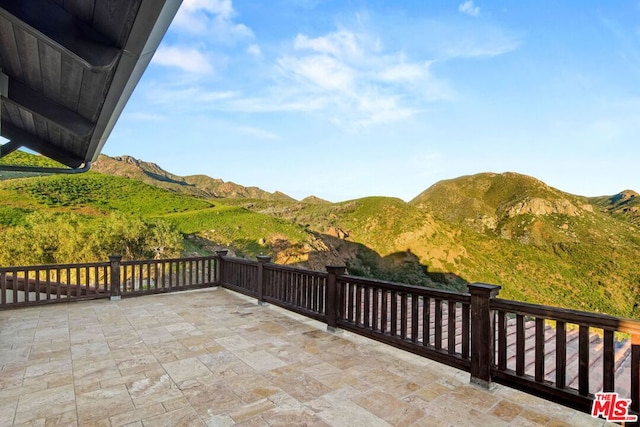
(538, 206)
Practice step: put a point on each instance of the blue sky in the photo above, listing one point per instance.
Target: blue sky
(351, 98)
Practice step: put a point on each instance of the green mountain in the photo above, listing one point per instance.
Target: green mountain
(624, 205)
(195, 185)
(541, 244)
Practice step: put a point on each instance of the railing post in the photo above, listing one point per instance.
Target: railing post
(115, 293)
(482, 340)
(220, 262)
(332, 297)
(262, 282)
(635, 373)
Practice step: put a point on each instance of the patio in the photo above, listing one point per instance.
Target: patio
(214, 357)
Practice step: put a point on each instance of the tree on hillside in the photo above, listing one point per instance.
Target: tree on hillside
(50, 238)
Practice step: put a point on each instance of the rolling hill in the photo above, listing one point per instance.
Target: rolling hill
(195, 185)
(539, 243)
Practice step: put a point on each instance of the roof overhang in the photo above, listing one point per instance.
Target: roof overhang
(68, 68)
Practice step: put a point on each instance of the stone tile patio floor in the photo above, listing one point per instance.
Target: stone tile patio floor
(215, 358)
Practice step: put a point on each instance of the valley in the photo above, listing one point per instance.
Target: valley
(540, 244)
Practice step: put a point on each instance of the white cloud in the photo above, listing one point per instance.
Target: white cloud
(344, 76)
(218, 7)
(361, 84)
(341, 44)
(469, 8)
(321, 71)
(211, 19)
(404, 72)
(187, 59)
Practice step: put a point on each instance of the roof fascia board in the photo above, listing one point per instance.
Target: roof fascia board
(151, 23)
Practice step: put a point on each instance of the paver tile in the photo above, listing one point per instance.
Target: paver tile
(216, 358)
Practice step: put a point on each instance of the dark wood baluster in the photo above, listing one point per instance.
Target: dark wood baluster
(156, 274)
(583, 355)
(14, 278)
(635, 373)
(68, 290)
(48, 284)
(58, 284)
(358, 318)
(415, 315)
(306, 303)
(184, 274)
(3, 289)
(367, 307)
(520, 341)
(376, 307)
(79, 284)
(539, 353)
(451, 327)
(351, 290)
(403, 315)
(394, 313)
(426, 320)
(383, 314)
(437, 321)
(25, 286)
(466, 337)
(561, 354)
(37, 285)
(608, 360)
(502, 340)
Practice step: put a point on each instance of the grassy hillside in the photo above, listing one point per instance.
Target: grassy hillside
(194, 185)
(19, 158)
(94, 193)
(624, 205)
(249, 233)
(540, 244)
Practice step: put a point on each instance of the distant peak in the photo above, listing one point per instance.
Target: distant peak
(314, 199)
(127, 159)
(628, 194)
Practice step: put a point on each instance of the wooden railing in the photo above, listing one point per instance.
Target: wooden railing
(299, 290)
(155, 276)
(42, 284)
(562, 355)
(525, 346)
(573, 356)
(429, 322)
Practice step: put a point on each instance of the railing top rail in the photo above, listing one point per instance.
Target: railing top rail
(165, 260)
(280, 267)
(52, 266)
(586, 318)
(235, 260)
(462, 297)
(97, 264)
